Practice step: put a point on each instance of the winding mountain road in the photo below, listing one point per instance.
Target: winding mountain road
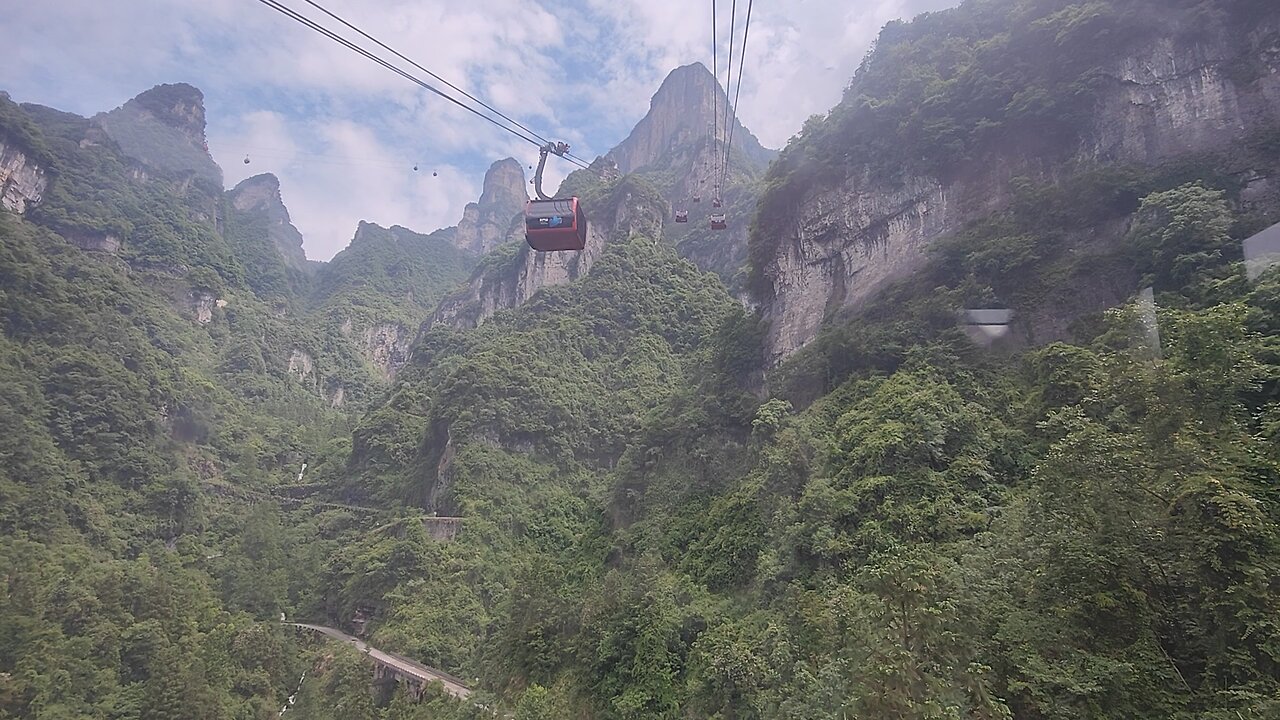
(401, 665)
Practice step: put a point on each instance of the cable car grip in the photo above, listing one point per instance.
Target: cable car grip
(559, 148)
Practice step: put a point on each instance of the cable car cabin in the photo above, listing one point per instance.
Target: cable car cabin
(718, 221)
(682, 216)
(551, 225)
(697, 198)
(716, 202)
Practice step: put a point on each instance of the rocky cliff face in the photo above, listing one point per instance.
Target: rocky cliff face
(500, 285)
(22, 182)
(386, 346)
(630, 208)
(163, 128)
(679, 118)
(93, 240)
(489, 223)
(261, 193)
(841, 242)
(1174, 97)
(373, 295)
(179, 106)
(201, 304)
(670, 149)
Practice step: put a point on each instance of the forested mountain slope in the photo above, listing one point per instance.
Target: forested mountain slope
(970, 111)
(669, 504)
(673, 148)
(893, 521)
(161, 367)
(121, 408)
(674, 152)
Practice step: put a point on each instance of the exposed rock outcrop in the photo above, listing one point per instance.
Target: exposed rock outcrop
(488, 223)
(510, 284)
(839, 243)
(501, 283)
(179, 106)
(337, 396)
(672, 149)
(669, 148)
(386, 346)
(680, 116)
(261, 193)
(201, 304)
(375, 294)
(164, 129)
(301, 364)
(22, 182)
(93, 240)
(442, 529)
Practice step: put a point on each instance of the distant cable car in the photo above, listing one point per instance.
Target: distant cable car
(552, 224)
(415, 168)
(697, 198)
(718, 221)
(246, 159)
(682, 216)
(715, 202)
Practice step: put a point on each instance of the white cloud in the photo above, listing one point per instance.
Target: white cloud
(345, 167)
(799, 55)
(261, 135)
(343, 133)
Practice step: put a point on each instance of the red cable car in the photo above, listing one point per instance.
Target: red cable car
(552, 224)
(682, 216)
(718, 221)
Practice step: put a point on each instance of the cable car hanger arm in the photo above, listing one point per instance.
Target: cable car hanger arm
(558, 148)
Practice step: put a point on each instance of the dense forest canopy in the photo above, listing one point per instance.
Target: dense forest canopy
(645, 519)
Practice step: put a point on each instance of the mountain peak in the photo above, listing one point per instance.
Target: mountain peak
(261, 194)
(178, 105)
(164, 128)
(487, 224)
(504, 185)
(257, 192)
(694, 72)
(680, 115)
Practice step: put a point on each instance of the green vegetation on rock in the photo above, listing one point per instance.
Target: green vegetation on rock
(601, 503)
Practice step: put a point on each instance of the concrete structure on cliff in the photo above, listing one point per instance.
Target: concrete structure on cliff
(392, 668)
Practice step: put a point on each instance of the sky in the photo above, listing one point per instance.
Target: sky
(344, 134)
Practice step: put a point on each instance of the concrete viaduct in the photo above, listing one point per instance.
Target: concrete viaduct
(389, 666)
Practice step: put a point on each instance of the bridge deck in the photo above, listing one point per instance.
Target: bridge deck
(402, 665)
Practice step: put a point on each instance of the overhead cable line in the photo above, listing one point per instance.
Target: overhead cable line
(311, 24)
(397, 53)
(288, 12)
(742, 54)
(728, 82)
(468, 95)
(715, 99)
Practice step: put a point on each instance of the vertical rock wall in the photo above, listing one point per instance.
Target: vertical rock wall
(840, 243)
(22, 182)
